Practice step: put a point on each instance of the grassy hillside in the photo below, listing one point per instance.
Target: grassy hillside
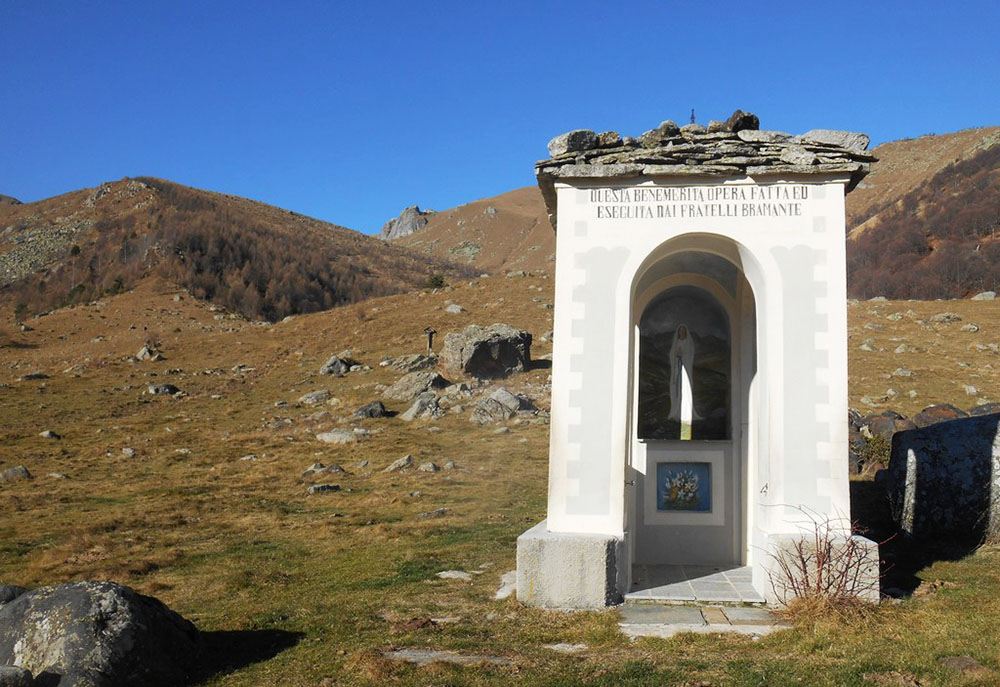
(255, 259)
(299, 589)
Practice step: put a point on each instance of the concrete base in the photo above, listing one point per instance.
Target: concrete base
(569, 570)
(852, 567)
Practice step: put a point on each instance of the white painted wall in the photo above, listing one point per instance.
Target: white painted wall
(795, 265)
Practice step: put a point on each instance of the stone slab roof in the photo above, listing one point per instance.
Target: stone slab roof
(736, 148)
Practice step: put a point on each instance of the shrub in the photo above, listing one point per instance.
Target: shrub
(435, 281)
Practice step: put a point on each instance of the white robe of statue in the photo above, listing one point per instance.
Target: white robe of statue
(681, 374)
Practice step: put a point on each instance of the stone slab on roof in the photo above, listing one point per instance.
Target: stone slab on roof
(734, 149)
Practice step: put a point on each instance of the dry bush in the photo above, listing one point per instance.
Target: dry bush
(824, 567)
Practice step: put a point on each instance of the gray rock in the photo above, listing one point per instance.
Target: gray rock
(450, 465)
(49, 434)
(487, 352)
(428, 467)
(410, 220)
(413, 384)
(425, 406)
(97, 634)
(162, 389)
(970, 390)
(985, 296)
(715, 126)
(314, 398)
(337, 436)
(572, 141)
(151, 354)
(18, 472)
(941, 412)
(9, 592)
(335, 366)
(939, 480)
(969, 327)
(128, 452)
(693, 130)
(322, 469)
(842, 139)
(324, 488)
(499, 406)
(902, 372)
(740, 121)
(608, 139)
(946, 318)
(455, 575)
(454, 309)
(411, 363)
(436, 513)
(373, 409)
(422, 657)
(14, 676)
(669, 128)
(796, 155)
(400, 464)
(755, 136)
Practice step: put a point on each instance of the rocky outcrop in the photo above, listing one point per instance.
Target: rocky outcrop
(499, 406)
(412, 385)
(410, 220)
(96, 634)
(491, 352)
(940, 479)
(9, 200)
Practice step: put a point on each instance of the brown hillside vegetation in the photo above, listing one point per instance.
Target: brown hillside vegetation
(209, 509)
(506, 232)
(252, 258)
(938, 239)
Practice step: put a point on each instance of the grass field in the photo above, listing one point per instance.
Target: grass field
(299, 589)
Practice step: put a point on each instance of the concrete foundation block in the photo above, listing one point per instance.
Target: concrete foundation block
(850, 566)
(567, 570)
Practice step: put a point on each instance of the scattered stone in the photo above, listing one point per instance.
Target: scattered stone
(904, 348)
(969, 327)
(162, 389)
(454, 309)
(867, 347)
(411, 362)
(314, 398)
(335, 367)
(514, 274)
(400, 464)
(564, 648)
(249, 457)
(423, 657)
(946, 318)
(97, 634)
(488, 352)
(150, 354)
(985, 296)
(941, 412)
(501, 430)
(425, 406)
(128, 452)
(894, 317)
(436, 513)
(49, 434)
(337, 436)
(449, 465)
(455, 575)
(324, 488)
(58, 475)
(413, 384)
(428, 467)
(902, 372)
(363, 463)
(508, 585)
(18, 472)
(970, 390)
(373, 409)
(320, 468)
(498, 407)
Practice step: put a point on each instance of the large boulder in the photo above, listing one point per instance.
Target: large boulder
(942, 412)
(487, 352)
(499, 406)
(335, 366)
(940, 479)
(412, 385)
(410, 220)
(96, 634)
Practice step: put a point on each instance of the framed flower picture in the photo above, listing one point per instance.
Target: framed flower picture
(685, 487)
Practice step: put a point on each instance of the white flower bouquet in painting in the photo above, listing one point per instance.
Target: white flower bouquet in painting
(680, 490)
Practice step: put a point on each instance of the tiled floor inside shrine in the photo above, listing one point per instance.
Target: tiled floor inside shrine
(684, 584)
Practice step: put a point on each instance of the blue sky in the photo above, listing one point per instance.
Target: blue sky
(351, 111)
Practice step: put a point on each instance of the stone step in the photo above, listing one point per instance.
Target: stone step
(659, 620)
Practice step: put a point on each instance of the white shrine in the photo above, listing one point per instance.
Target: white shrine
(699, 367)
